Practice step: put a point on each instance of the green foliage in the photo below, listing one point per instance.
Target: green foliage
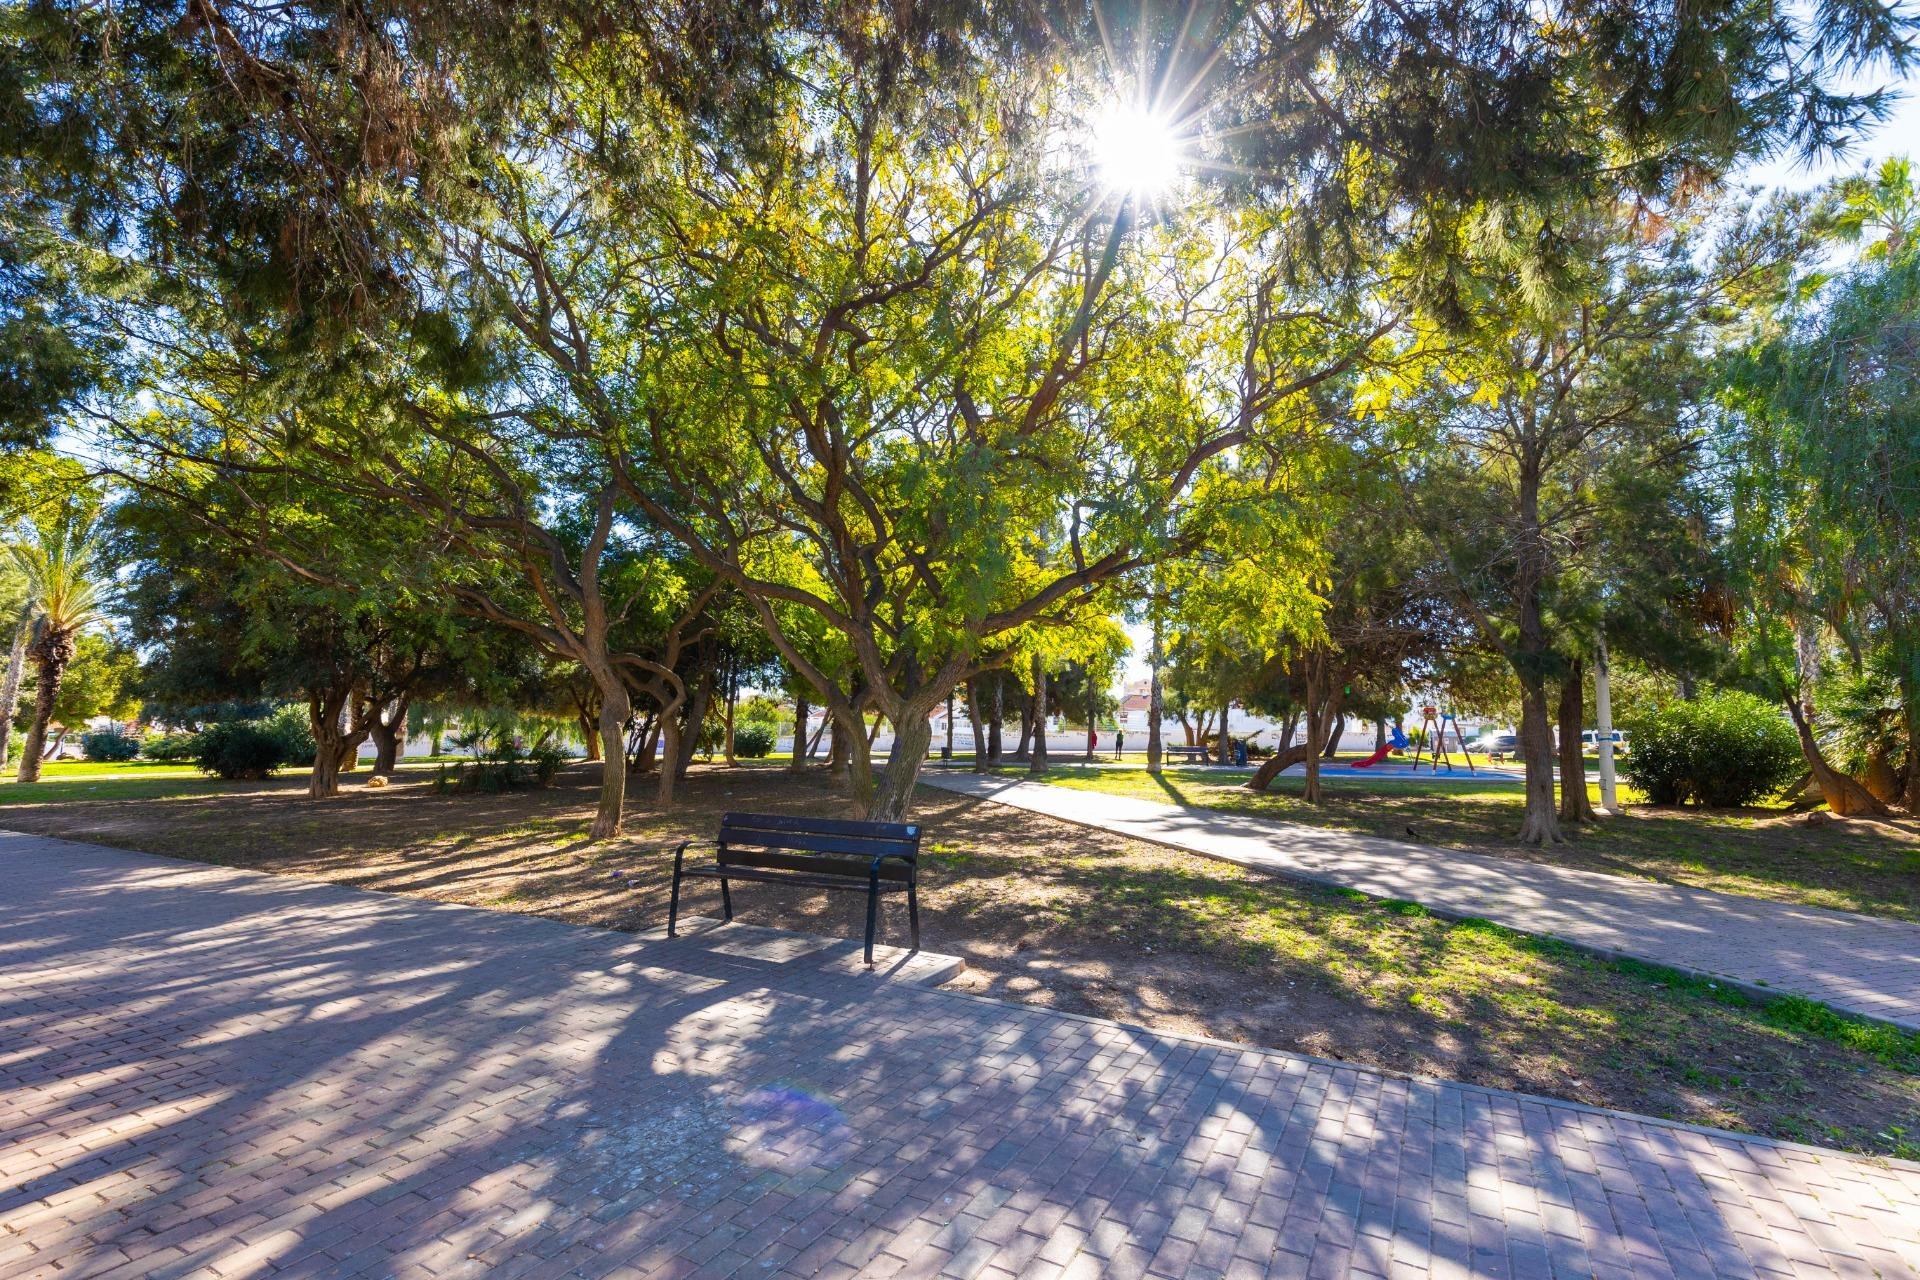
(1721, 750)
(753, 740)
(109, 745)
(498, 764)
(100, 681)
(170, 746)
(290, 728)
(239, 749)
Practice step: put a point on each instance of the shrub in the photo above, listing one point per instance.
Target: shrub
(236, 749)
(499, 764)
(753, 740)
(1722, 750)
(289, 726)
(170, 746)
(109, 745)
(546, 760)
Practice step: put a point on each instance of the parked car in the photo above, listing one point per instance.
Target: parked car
(1590, 740)
(1496, 745)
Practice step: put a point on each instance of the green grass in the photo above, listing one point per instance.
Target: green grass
(1852, 866)
(56, 770)
(151, 787)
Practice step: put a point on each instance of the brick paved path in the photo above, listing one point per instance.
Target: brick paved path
(212, 1073)
(1860, 963)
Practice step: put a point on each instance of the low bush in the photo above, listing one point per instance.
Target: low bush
(240, 749)
(1722, 750)
(170, 746)
(753, 740)
(290, 727)
(499, 764)
(109, 746)
(545, 760)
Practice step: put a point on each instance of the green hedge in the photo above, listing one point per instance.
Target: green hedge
(109, 746)
(752, 740)
(237, 749)
(1722, 750)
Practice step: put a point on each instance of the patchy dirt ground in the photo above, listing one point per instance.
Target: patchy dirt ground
(1865, 865)
(1057, 915)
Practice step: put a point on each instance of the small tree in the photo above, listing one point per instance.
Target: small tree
(62, 562)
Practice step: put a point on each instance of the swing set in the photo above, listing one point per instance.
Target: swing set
(1433, 741)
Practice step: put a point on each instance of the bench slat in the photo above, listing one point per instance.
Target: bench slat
(839, 846)
(818, 863)
(788, 824)
(792, 877)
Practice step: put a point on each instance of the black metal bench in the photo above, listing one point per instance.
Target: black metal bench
(816, 853)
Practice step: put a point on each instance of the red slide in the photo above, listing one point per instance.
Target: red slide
(1380, 753)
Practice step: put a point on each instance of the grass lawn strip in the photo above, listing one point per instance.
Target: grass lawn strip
(1054, 914)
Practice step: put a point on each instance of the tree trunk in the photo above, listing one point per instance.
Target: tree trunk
(1379, 733)
(1023, 753)
(643, 741)
(323, 721)
(616, 708)
(1093, 730)
(1574, 805)
(1275, 765)
(836, 749)
(1226, 734)
(590, 736)
(733, 694)
(1845, 796)
(800, 713)
(389, 738)
(676, 753)
(995, 719)
(686, 729)
(1910, 696)
(1539, 826)
(10, 688)
(1037, 761)
(1332, 749)
(1156, 750)
(946, 752)
(51, 651)
(979, 730)
(893, 795)
(860, 764)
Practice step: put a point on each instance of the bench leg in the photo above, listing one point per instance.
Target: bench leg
(913, 913)
(726, 898)
(873, 908)
(673, 903)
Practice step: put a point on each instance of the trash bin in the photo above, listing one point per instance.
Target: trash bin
(1240, 753)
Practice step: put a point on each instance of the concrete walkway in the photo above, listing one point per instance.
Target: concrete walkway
(206, 1072)
(1858, 963)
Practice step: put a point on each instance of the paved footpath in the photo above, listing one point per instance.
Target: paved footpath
(1859, 963)
(213, 1073)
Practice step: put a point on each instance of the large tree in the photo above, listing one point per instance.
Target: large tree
(1826, 495)
(1560, 392)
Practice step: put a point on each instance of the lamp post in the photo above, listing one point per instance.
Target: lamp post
(1603, 713)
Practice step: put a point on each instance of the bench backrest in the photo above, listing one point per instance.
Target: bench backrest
(820, 846)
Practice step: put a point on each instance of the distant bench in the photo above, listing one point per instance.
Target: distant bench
(1192, 755)
(815, 853)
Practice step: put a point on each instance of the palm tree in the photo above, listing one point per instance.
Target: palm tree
(61, 563)
(1884, 206)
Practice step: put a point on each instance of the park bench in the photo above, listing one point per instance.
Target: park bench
(1192, 755)
(815, 853)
